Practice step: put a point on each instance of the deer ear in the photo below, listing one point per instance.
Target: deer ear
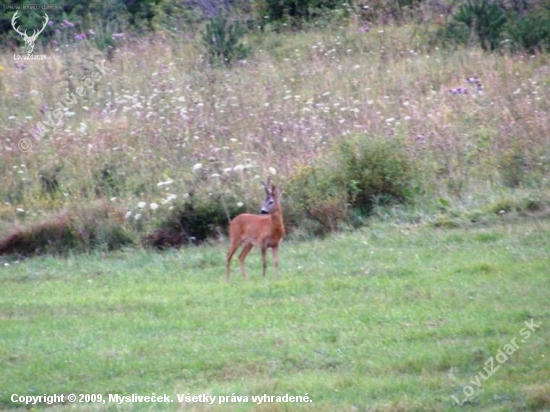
(267, 184)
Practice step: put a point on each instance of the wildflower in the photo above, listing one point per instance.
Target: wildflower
(272, 170)
(154, 206)
(137, 216)
(128, 214)
(420, 138)
(118, 35)
(169, 198)
(198, 166)
(165, 183)
(475, 81)
(458, 90)
(238, 168)
(141, 205)
(365, 29)
(240, 204)
(91, 32)
(81, 36)
(67, 23)
(51, 23)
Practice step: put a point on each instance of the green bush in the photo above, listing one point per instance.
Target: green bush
(199, 218)
(493, 26)
(375, 171)
(530, 32)
(316, 198)
(486, 19)
(223, 40)
(386, 11)
(364, 172)
(295, 12)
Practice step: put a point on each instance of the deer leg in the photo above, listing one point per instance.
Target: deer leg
(275, 253)
(264, 264)
(242, 257)
(232, 249)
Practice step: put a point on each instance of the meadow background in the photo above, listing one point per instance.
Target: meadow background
(365, 115)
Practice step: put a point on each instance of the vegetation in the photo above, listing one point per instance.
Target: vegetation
(389, 318)
(168, 129)
(152, 123)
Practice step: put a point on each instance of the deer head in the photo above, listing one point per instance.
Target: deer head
(271, 197)
(29, 40)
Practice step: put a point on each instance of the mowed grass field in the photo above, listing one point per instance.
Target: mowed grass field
(388, 318)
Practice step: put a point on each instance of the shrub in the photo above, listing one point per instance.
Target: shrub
(316, 198)
(484, 18)
(530, 32)
(363, 173)
(193, 222)
(223, 40)
(295, 12)
(375, 170)
(386, 11)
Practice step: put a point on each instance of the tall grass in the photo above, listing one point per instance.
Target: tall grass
(162, 124)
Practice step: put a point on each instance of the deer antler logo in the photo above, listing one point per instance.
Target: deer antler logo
(29, 40)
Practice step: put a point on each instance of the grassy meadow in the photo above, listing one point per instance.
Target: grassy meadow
(393, 318)
(400, 314)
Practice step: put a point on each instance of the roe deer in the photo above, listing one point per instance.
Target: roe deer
(265, 231)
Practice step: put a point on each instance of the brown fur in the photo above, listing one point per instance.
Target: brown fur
(264, 231)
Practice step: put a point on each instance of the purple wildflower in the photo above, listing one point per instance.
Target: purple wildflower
(458, 90)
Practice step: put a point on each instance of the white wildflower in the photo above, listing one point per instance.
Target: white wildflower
(165, 183)
(141, 205)
(198, 166)
(154, 206)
